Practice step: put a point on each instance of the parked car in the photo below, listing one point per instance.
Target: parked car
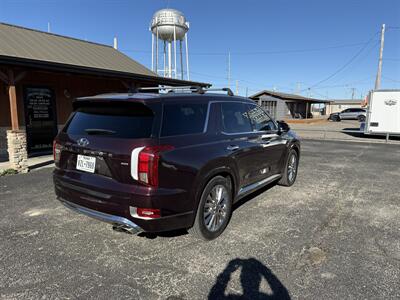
(159, 162)
(349, 114)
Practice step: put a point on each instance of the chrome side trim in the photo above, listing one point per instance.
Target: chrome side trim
(252, 187)
(115, 220)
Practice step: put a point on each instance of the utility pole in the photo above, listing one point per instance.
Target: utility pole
(379, 73)
(48, 27)
(352, 93)
(247, 92)
(237, 87)
(229, 69)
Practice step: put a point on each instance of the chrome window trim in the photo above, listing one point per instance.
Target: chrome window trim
(207, 120)
(253, 186)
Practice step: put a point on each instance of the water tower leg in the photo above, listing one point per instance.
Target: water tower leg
(157, 53)
(152, 52)
(187, 57)
(175, 52)
(169, 59)
(165, 57)
(180, 49)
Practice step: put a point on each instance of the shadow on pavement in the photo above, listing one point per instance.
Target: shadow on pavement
(369, 136)
(252, 273)
(154, 235)
(253, 195)
(180, 232)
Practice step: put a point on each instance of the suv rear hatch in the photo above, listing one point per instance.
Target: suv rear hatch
(100, 135)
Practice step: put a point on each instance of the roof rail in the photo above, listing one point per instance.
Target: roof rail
(193, 89)
(170, 88)
(227, 90)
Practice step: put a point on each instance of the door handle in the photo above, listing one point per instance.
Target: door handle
(232, 147)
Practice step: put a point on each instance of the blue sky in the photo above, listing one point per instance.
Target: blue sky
(287, 45)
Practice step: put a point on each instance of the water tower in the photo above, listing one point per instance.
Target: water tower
(168, 27)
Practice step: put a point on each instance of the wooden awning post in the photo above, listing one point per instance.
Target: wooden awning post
(12, 94)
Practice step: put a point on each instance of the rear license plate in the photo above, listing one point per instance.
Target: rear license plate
(86, 163)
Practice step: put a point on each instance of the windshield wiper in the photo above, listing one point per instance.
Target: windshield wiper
(99, 131)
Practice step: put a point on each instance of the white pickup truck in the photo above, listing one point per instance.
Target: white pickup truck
(383, 113)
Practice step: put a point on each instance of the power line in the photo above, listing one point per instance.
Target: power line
(362, 81)
(345, 65)
(262, 52)
(361, 59)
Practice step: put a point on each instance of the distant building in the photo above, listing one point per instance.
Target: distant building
(41, 73)
(286, 106)
(337, 105)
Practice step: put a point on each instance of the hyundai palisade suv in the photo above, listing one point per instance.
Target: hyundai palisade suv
(159, 162)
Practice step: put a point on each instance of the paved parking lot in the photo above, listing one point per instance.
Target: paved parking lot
(334, 235)
(333, 131)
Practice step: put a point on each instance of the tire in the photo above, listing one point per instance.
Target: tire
(335, 118)
(208, 209)
(361, 118)
(288, 177)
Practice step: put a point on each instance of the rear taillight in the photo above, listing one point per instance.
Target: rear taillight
(56, 151)
(145, 161)
(145, 213)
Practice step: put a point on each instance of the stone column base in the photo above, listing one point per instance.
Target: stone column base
(17, 153)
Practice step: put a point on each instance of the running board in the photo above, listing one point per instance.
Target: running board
(254, 186)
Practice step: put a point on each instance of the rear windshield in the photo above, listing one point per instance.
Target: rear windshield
(114, 120)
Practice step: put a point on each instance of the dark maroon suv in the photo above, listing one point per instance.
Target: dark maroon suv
(158, 162)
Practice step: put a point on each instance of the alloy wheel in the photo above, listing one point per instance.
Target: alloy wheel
(292, 168)
(216, 208)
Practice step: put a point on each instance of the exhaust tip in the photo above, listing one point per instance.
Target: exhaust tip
(125, 229)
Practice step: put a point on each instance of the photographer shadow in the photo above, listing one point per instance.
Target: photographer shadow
(252, 273)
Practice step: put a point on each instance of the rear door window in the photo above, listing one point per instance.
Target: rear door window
(184, 118)
(112, 120)
(235, 118)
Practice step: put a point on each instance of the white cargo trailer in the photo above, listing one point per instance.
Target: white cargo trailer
(383, 114)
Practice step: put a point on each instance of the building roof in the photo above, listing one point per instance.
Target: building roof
(285, 96)
(34, 47)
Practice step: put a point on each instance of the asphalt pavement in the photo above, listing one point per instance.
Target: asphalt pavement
(336, 131)
(335, 234)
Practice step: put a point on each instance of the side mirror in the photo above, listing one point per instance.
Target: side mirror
(283, 126)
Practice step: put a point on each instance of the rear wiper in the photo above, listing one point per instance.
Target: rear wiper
(99, 131)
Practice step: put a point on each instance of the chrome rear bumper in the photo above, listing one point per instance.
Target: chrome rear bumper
(120, 222)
